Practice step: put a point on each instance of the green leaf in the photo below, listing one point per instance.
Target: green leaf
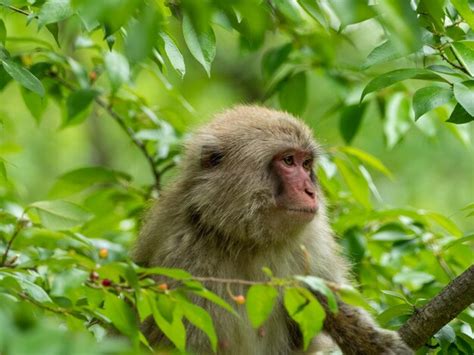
(398, 118)
(274, 58)
(351, 118)
(460, 115)
(354, 244)
(205, 293)
(174, 329)
(430, 97)
(317, 284)
(293, 94)
(83, 178)
(313, 9)
(464, 51)
(202, 45)
(468, 238)
(289, 10)
(77, 105)
(350, 295)
(141, 36)
(463, 7)
(23, 76)
(444, 222)
(390, 313)
(412, 279)
(395, 76)
(174, 55)
(383, 53)
(35, 103)
(260, 302)
(54, 11)
(121, 316)
(201, 320)
(464, 94)
(349, 11)
(177, 274)
(60, 215)
(306, 311)
(117, 68)
(356, 183)
(367, 159)
(79, 72)
(3, 32)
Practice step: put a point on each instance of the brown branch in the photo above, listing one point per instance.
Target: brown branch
(444, 307)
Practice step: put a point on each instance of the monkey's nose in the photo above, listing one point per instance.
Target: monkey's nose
(309, 192)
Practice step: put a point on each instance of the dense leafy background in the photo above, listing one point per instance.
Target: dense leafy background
(97, 96)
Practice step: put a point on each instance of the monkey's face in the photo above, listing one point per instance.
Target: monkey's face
(295, 191)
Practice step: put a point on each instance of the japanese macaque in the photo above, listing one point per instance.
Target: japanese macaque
(246, 198)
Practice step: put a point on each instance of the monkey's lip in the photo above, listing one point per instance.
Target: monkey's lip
(302, 210)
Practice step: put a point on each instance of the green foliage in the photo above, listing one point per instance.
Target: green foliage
(66, 279)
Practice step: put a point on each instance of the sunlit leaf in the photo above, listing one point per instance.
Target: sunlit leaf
(174, 329)
(202, 44)
(465, 54)
(464, 94)
(465, 9)
(356, 183)
(306, 312)
(319, 285)
(201, 320)
(382, 53)
(260, 302)
(174, 55)
(367, 159)
(412, 279)
(121, 316)
(54, 11)
(430, 97)
(60, 215)
(117, 68)
(398, 118)
(392, 312)
(398, 75)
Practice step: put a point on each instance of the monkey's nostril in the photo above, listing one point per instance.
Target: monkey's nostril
(310, 193)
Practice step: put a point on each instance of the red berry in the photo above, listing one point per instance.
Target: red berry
(106, 282)
(163, 286)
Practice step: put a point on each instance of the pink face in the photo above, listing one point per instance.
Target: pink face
(297, 190)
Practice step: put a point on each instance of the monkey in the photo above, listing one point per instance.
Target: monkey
(246, 196)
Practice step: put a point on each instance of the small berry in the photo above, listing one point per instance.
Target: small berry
(94, 275)
(239, 299)
(93, 76)
(163, 286)
(103, 253)
(106, 282)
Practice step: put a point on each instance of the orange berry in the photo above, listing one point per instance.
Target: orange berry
(93, 76)
(103, 253)
(163, 286)
(239, 299)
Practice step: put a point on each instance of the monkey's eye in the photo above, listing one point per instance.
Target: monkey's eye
(289, 160)
(308, 164)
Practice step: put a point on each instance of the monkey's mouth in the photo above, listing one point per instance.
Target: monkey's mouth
(302, 210)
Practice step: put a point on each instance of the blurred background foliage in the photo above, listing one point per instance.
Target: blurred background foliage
(97, 96)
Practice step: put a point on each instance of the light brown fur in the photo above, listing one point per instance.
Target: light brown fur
(218, 221)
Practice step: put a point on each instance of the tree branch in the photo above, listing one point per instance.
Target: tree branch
(444, 307)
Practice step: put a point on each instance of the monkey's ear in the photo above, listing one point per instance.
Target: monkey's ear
(211, 156)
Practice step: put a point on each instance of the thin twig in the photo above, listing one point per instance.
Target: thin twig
(16, 9)
(18, 227)
(450, 62)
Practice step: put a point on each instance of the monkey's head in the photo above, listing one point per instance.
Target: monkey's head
(248, 174)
